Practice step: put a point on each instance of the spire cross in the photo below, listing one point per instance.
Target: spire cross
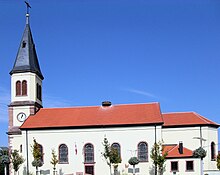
(28, 6)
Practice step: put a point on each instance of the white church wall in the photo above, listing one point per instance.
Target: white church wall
(127, 137)
(32, 79)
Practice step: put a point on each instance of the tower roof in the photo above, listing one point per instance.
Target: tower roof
(26, 60)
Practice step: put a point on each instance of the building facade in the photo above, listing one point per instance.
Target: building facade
(77, 133)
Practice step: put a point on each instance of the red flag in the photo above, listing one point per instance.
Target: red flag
(75, 149)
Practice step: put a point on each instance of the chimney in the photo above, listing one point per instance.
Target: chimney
(181, 147)
(106, 103)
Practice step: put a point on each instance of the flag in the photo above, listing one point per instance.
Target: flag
(75, 149)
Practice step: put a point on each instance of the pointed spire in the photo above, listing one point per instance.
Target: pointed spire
(26, 60)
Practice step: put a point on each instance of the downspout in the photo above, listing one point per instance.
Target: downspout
(27, 151)
(201, 147)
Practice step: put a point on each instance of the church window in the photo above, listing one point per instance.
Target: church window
(213, 156)
(143, 152)
(41, 151)
(89, 169)
(24, 87)
(18, 88)
(23, 44)
(117, 147)
(39, 92)
(88, 153)
(20, 148)
(63, 153)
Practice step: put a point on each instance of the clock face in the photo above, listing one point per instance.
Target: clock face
(21, 117)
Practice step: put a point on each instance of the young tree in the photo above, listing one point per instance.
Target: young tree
(218, 161)
(4, 161)
(199, 153)
(54, 161)
(16, 160)
(133, 161)
(37, 154)
(159, 157)
(111, 156)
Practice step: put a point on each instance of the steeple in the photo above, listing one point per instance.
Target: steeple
(26, 60)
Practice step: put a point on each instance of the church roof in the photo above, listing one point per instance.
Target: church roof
(95, 116)
(26, 60)
(173, 151)
(176, 119)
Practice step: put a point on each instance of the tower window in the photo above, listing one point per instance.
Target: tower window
(23, 44)
(39, 92)
(18, 88)
(21, 88)
(213, 151)
(24, 87)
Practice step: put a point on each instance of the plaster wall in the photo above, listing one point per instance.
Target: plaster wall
(32, 79)
(127, 137)
(189, 136)
(182, 167)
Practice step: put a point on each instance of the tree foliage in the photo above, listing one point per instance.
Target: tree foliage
(54, 159)
(16, 160)
(218, 161)
(133, 161)
(37, 154)
(4, 160)
(111, 155)
(199, 153)
(159, 157)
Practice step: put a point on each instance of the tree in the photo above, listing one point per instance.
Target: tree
(159, 157)
(16, 160)
(4, 161)
(133, 161)
(111, 156)
(218, 161)
(54, 160)
(199, 153)
(37, 154)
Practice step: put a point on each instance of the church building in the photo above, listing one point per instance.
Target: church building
(76, 134)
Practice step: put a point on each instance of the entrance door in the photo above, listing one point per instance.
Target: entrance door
(89, 169)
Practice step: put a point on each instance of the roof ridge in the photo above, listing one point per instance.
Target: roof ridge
(70, 107)
(178, 112)
(173, 148)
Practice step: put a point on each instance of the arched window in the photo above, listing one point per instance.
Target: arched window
(117, 147)
(20, 148)
(88, 153)
(18, 88)
(24, 87)
(41, 151)
(63, 153)
(39, 94)
(143, 152)
(213, 155)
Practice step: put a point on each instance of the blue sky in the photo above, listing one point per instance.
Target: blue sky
(125, 51)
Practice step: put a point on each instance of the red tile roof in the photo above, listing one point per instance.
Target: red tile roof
(185, 118)
(128, 114)
(173, 151)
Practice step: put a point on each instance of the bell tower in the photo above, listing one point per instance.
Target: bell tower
(26, 81)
